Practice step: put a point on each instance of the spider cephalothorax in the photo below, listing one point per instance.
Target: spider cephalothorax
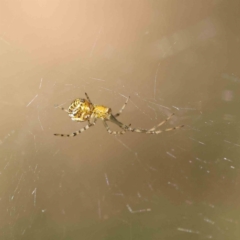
(82, 110)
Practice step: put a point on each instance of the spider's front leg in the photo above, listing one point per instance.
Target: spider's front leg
(90, 124)
(88, 98)
(62, 108)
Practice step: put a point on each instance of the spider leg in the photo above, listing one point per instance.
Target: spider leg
(149, 131)
(118, 114)
(75, 133)
(76, 119)
(88, 97)
(121, 125)
(161, 123)
(81, 130)
(140, 130)
(110, 131)
(168, 129)
(64, 109)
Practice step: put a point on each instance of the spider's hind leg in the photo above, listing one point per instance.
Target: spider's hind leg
(161, 123)
(167, 129)
(114, 120)
(153, 130)
(110, 131)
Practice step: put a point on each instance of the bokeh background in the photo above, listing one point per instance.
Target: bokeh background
(178, 56)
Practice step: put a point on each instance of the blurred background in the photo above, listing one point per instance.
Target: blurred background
(175, 56)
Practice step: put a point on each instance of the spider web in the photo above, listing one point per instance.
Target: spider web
(179, 184)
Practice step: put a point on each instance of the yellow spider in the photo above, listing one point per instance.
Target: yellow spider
(82, 110)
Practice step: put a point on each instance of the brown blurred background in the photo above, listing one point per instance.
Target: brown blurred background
(178, 56)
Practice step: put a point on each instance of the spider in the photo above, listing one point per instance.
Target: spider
(81, 110)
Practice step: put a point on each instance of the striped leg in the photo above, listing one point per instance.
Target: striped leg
(161, 123)
(110, 131)
(75, 133)
(153, 130)
(169, 129)
(73, 118)
(149, 131)
(90, 124)
(65, 110)
(118, 114)
(88, 97)
(62, 108)
(140, 130)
